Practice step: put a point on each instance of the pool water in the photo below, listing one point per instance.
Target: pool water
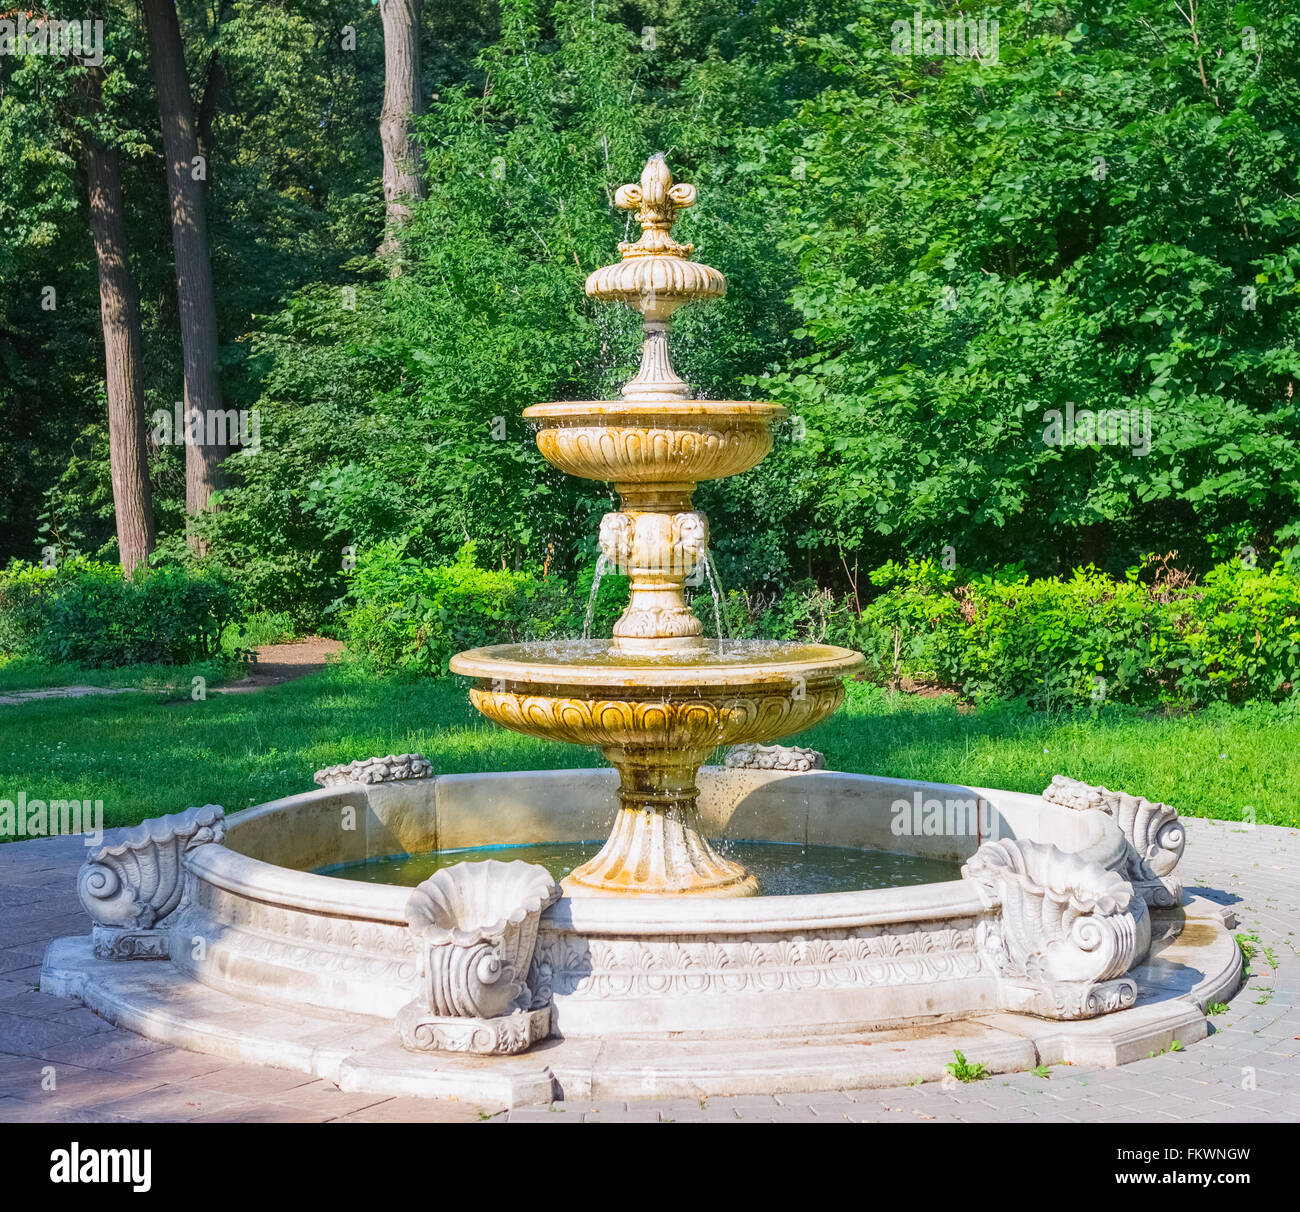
(782, 869)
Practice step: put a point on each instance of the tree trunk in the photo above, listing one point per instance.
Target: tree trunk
(198, 311)
(402, 179)
(119, 312)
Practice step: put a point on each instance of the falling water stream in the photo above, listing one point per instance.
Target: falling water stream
(707, 565)
(602, 566)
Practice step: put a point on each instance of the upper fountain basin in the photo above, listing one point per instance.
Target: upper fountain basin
(655, 285)
(589, 693)
(652, 441)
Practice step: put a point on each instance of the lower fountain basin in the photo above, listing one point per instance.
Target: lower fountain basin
(272, 963)
(276, 931)
(781, 868)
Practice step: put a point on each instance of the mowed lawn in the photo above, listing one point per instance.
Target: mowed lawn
(144, 754)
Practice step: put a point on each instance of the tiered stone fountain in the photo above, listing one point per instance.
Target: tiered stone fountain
(661, 699)
(660, 966)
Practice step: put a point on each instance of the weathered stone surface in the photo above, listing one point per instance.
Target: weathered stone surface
(1155, 834)
(1257, 870)
(477, 928)
(1065, 930)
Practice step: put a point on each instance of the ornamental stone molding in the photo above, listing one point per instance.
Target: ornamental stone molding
(133, 889)
(391, 769)
(757, 962)
(1155, 834)
(475, 928)
(1065, 931)
(650, 720)
(634, 450)
(774, 757)
(649, 547)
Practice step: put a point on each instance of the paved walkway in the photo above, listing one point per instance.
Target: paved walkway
(61, 692)
(59, 1061)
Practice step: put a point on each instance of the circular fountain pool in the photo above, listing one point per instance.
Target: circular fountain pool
(781, 868)
(268, 960)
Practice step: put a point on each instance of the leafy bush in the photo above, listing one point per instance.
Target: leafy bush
(803, 612)
(415, 618)
(87, 613)
(1242, 634)
(1088, 637)
(258, 628)
(27, 591)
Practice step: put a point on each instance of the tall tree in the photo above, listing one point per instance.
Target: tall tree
(119, 311)
(402, 177)
(198, 313)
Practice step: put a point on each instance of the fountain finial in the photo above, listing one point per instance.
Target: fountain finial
(656, 202)
(655, 277)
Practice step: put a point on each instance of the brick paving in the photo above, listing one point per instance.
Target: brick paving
(61, 1063)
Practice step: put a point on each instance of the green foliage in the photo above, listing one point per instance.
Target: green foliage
(399, 421)
(1087, 638)
(86, 613)
(262, 627)
(414, 618)
(964, 1071)
(926, 256)
(978, 244)
(803, 612)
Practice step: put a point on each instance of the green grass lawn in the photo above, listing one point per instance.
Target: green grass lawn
(144, 756)
(26, 673)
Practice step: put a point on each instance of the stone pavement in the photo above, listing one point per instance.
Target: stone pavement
(60, 1062)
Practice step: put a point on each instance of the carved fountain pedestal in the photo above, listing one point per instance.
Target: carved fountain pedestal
(665, 698)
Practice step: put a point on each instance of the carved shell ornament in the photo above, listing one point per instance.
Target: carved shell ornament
(1061, 918)
(1155, 831)
(478, 923)
(774, 757)
(391, 769)
(137, 882)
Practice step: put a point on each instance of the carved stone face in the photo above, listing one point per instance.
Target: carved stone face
(616, 535)
(692, 538)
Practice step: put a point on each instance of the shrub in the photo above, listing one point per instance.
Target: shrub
(87, 613)
(1088, 637)
(803, 612)
(410, 617)
(23, 590)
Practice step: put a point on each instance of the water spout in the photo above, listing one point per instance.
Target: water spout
(706, 564)
(602, 566)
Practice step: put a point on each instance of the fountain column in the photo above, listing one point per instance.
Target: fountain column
(661, 538)
(656, 844)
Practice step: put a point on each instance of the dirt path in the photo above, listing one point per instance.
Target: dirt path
(276, 663)
(62, 692)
